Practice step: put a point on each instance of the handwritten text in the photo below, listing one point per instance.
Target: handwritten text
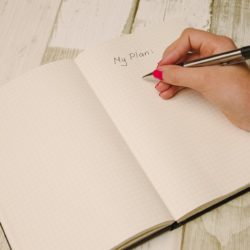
(124, 60)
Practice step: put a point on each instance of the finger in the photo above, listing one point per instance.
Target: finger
(196, 40)
(190, 40)
(162, 86)
(176, 60)
(170, 56)
(169, 93)
(195, 78)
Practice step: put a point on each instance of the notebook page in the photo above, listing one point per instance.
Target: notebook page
(68, 180)
(187, 148)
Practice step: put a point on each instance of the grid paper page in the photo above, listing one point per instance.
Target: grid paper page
(68, 180)
(188, 149)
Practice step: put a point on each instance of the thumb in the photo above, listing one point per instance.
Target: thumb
(194, 78)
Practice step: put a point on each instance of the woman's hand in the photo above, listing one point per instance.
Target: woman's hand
(227, 87)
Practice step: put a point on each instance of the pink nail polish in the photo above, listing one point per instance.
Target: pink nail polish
(157, 74)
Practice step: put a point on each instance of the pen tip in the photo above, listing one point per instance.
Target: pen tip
(147, 75)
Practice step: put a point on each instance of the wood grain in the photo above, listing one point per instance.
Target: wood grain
(56, 53)
(227, 227)
(81, 24)
(232, 18)
(25, 29)
(195, 13)
(167, 241)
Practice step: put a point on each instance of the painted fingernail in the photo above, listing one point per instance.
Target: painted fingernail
(157, 74)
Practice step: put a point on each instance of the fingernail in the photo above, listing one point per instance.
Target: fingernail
(157, 84)
(159, 62)
(157, 74)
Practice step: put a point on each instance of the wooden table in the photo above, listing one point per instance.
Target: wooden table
(34, 32)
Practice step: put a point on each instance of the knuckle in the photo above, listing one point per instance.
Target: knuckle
(187, 31)
(227, 42)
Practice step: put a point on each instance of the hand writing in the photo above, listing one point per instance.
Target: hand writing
(227, 87)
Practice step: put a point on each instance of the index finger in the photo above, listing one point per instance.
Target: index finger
(199, 41)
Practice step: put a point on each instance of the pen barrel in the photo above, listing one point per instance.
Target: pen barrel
(226, 58)
(223, 59)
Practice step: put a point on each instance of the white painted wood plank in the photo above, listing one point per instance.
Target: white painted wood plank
(227, 227)
(232, 18)
(56, 53)
(169, 240)
(195, 13)
(25, 28)
(86, 23)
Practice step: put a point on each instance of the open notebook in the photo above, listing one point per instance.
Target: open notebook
(91, 157)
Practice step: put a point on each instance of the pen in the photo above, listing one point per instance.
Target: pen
(226, 58)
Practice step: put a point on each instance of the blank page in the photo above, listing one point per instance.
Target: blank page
(188, 149)
(68, 180)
